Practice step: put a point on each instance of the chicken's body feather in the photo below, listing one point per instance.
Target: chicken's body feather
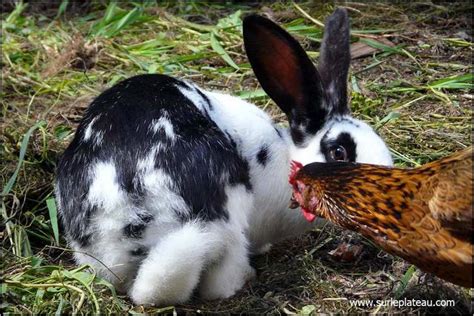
(423, 215)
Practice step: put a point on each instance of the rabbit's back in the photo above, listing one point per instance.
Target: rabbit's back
(145, 152)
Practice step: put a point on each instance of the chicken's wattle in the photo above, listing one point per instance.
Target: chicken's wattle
(308, 215)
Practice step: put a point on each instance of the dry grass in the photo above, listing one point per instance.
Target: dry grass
(56, 58)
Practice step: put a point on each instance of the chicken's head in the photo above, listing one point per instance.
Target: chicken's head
(300, 195)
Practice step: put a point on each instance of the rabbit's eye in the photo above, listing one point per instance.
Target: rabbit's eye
(339, 153)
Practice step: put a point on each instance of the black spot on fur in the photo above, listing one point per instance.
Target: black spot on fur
(134, 230)
(343, 139)
(348, 121)
(262, 155)
(139, 252)
(278, 132)
(83, 240)
(145, 217)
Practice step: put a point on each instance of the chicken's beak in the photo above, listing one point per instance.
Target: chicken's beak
(293, 203)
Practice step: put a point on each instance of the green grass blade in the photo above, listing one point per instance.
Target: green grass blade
(456, 82)
(392, 116)
(24, 146)
(86, 280)
(256, 94)
(19, 8)
(129, 18)
(59, 310)
(308, 310)
(216, 46)
(109, 12)
(53, 216)
(62, 8)
(382, 47)
(404, 281)
(100, 281)
(373, 31)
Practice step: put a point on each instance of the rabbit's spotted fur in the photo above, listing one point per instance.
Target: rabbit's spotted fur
(166, 188)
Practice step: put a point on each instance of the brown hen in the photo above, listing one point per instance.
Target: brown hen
(423, 215)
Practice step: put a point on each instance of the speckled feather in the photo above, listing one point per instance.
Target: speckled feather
(423, 215)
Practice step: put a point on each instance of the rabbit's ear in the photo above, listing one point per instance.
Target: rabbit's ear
(286, 74)
(334, 62)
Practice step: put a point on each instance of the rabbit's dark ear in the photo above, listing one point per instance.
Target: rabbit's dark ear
(334, 62)
(286, 74)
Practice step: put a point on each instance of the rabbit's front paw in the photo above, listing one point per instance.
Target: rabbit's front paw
(219, 285)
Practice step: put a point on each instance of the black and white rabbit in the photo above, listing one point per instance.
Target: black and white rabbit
(166, 188)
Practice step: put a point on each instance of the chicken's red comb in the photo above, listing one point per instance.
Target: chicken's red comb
(295, 167)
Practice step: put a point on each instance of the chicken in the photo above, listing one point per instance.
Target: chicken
(423, 215)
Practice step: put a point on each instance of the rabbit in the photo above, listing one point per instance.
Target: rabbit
(166, 189)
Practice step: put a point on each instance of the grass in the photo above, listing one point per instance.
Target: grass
(417, 93)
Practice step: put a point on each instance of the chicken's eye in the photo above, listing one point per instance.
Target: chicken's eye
(338, 153)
